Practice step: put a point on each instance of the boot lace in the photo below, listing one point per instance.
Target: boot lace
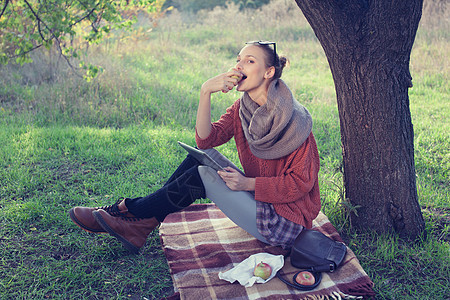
(131, 219)
(114, 210)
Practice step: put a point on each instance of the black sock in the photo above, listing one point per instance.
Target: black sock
(172, 197)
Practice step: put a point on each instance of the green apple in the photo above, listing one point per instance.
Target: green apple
(234, 76)
(262, 270)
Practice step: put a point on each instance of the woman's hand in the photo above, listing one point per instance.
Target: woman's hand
(236, 181)
(223, 82)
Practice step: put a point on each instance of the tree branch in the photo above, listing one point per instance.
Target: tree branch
(87, 15)
(58, 42)
(28, 51)
(38, 19)
(4, 8)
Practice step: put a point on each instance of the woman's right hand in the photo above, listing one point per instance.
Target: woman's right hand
(224, 82)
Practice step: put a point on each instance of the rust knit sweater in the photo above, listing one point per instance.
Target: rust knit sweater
(290, 183)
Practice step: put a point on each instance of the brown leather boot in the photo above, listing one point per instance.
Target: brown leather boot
(83, 218)
(131, 231)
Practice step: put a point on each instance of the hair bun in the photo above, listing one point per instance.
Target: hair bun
(283, 62)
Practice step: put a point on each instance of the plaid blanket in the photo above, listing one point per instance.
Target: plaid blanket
(200, 241)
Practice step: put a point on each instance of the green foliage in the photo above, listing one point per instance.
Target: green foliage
(91, 71)
(26, 25)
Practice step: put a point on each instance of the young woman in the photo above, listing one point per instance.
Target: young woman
(275, 197)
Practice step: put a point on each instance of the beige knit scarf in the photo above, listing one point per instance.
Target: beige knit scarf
(278, 127)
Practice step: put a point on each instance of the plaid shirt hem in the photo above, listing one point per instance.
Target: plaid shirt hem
(277, 230)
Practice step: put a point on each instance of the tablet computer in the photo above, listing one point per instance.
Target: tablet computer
(202, 157)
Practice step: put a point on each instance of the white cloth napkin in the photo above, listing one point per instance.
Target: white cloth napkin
(243, 272)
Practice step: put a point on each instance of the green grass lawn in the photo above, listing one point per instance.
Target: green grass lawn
(65, 142)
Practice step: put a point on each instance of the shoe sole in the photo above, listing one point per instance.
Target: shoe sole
(79, 224)
(130, 247)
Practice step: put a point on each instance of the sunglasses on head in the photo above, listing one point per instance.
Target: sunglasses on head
(266, 43)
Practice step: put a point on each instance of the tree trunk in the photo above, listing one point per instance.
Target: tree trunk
(368, 46)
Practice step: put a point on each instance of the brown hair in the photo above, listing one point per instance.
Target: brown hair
(279, 62)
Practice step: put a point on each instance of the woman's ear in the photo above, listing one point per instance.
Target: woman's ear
(269, 73)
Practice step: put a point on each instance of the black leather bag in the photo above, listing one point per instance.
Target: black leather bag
(314, 252)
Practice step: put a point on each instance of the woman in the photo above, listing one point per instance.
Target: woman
(276, 148)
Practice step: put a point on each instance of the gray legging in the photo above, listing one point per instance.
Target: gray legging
(239, 206)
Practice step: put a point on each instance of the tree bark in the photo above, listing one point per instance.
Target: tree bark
(368, 45)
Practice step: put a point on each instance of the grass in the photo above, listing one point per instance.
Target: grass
(58, 167)
(66, 142)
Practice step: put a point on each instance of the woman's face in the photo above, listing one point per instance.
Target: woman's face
(256, 77)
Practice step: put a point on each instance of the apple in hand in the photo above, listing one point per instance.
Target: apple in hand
(305, 278)
(262, 270)
(234, 76)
